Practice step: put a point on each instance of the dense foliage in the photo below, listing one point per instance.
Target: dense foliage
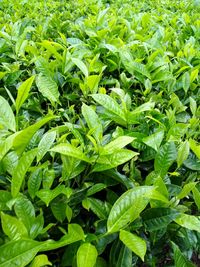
(99, 129)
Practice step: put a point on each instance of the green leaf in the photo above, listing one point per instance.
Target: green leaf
(80, 65)
(196, 196)
(183, 153)
(115, 145)
(86, 255)
(13, 227)
(106, 162)
(23, 138)
(7, 118)
(40, 260)
(34, 182)
(69, 150)
(186, 190)
(18, 253)
(134, 243)
(25, 212)
(75, 233)
(110, 104)
(95, 188)
(195, 148)
(192, 163)
(48, 88)
(154, 140)
(124, 257)
(98, 207)
(58, 209)
(189, 221)
(45, 143)
(48, 195)
(100, 262)
(179, 259)
(128, 207)
(23, 92)
(5, 196)
(20, 171)
(93, 122)
(132, 66)
(157, 218)
(165, 156)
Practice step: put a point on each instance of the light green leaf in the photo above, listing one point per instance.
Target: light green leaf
(18, 253)
(193, 106)
(92, 121)
(177, 131)
(20, 171)
(189, 221)
(186, 81)
(128, 207)
(13, 227)
(68, 213)
(144, 107)
(183, 152)
(194, 75)
(7, 144)
(154, 140)
(2, 74)
(48, 88)
(92, 82)
(81, 66)
(110, 104)
(134, 243)
(115, 145)
(165, 157)
(7, 118)
(45, 143)
(196, 196)
(186, 190)
(23, 92)
(75, 233)
(86, 255)
(179, 259)
(98, 207)
(119, 157)
(69, 150)
(160, 186)
(157, 218)
(195, 148)
(23, 138)
(40, 260)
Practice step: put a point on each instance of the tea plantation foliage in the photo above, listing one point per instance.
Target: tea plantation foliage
(99, 132)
